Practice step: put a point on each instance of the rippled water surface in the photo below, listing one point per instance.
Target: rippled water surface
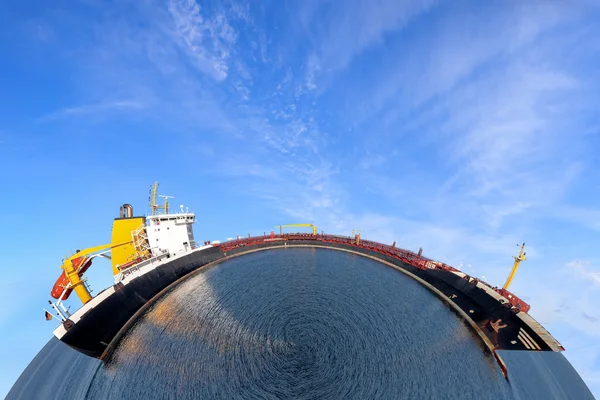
(302, 324)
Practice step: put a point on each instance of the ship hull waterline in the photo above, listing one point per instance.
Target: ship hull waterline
(99, 330)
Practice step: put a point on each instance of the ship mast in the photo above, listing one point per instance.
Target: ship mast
(153, 205)
(518, 260)
(152, 198)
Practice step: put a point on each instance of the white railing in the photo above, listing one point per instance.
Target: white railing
(136, 267)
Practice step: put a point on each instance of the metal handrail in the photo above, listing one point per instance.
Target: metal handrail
(407, 256)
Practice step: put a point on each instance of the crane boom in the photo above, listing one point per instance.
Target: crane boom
(518, 260)
(314, 228)
(72, 272)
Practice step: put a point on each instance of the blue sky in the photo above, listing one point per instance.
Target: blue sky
(462, 127)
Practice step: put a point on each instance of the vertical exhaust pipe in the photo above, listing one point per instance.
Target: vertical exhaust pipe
(126, 211)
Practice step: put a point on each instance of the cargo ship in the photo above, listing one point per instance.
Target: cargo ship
(152, 254)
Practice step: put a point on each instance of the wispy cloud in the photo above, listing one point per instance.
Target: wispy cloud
(360, 25)
(459, 45)
(587, 217)
(497, 127)
(93, 109)
(206, 39)
(312, 68)
(585, 271)
(507, 138)
(370, 161)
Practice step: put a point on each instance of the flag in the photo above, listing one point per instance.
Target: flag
(48, 315)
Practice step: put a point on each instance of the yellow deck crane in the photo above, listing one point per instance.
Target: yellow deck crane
(518, 260)
(72, 271)
(314, 228)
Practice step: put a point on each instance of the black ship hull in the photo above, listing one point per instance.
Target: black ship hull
(99, 329)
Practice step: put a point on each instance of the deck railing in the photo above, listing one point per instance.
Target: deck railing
(406, 256)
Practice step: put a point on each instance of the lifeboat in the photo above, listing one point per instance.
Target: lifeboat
(81, 264)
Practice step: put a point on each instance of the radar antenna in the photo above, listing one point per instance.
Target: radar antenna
(153, 205)
(166, 205)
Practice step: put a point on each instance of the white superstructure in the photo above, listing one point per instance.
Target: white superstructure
(139, 245)
(170, 233)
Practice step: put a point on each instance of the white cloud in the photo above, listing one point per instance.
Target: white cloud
(586, 272)
(371, 161)
(587, 217)
(206, 39)
(90, 109)
(460, 45)
(509, 136)
(313, 69)
(361, 24)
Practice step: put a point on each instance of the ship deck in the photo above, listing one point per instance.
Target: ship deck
(96, 328)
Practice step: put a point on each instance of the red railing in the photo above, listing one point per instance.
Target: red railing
(514, 300)
(406, 256)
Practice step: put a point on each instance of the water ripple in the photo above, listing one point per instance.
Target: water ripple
(302, 324)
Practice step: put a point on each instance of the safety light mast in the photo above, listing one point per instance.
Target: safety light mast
(518, 260)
